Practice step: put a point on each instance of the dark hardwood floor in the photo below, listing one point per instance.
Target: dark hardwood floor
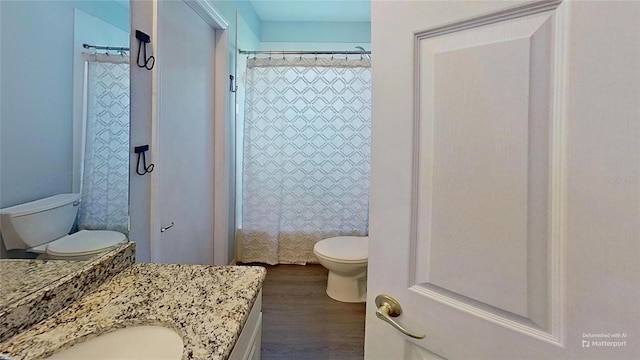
(301, 322)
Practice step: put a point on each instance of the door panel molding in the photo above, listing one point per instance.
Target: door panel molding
(535, 245)
(500, 16)
(486, 313)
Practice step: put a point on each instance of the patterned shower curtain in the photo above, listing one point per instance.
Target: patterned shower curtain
(105, 174)
(306, 156)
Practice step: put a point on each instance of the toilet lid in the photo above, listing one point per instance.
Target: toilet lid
(85, 242)
(346, 248)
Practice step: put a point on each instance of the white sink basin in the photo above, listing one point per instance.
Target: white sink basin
(132, 343)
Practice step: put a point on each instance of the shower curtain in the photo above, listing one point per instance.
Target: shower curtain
(105, 173)
(306, 156)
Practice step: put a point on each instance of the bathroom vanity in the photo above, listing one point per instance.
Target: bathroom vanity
(216, 310)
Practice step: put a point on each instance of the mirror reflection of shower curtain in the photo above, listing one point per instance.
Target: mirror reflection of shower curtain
(306, 156)
(105, 172)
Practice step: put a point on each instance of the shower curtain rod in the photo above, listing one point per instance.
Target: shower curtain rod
(87, 46)
(296, 52)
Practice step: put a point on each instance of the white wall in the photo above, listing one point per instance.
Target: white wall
(140, 133)
(603, 182)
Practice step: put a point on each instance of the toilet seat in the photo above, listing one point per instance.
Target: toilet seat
(344, 249)
(84, 243)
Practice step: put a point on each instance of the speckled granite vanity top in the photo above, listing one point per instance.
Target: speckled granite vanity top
(19, 278)
(67, 282)
(206, 305)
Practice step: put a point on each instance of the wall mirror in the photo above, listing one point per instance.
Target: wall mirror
(64, 123)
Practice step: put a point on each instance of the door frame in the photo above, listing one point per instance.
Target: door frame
(214, 18)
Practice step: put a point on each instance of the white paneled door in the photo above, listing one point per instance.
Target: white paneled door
(184, 172)
(505, 191)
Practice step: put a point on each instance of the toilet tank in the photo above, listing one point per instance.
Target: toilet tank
(38, 222)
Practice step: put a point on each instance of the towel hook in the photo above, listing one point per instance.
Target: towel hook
(143, 40)
(141, 150)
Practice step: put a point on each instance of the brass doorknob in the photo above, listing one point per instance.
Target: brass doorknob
(389, 307)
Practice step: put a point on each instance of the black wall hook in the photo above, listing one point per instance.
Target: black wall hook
(141, 150)
(144, 39)
(233, 87)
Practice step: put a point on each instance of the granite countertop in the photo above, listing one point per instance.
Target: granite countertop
(206, 305)
(77, 280)
(21, 277)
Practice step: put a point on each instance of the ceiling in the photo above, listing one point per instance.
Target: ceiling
(313, 10)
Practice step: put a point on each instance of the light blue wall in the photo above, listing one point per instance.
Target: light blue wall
(290, 31)
(36, 39)
(249, 25)
(247, 38)
(228, 9)
(115, 13)
(332, 32)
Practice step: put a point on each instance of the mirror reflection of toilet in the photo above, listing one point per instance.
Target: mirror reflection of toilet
(346, 259)
(43, 226)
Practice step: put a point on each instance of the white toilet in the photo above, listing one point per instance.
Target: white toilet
(42, 227)
(346, 259)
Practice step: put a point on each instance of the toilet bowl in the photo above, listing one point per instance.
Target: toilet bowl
(43, 227)
(346, 259)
